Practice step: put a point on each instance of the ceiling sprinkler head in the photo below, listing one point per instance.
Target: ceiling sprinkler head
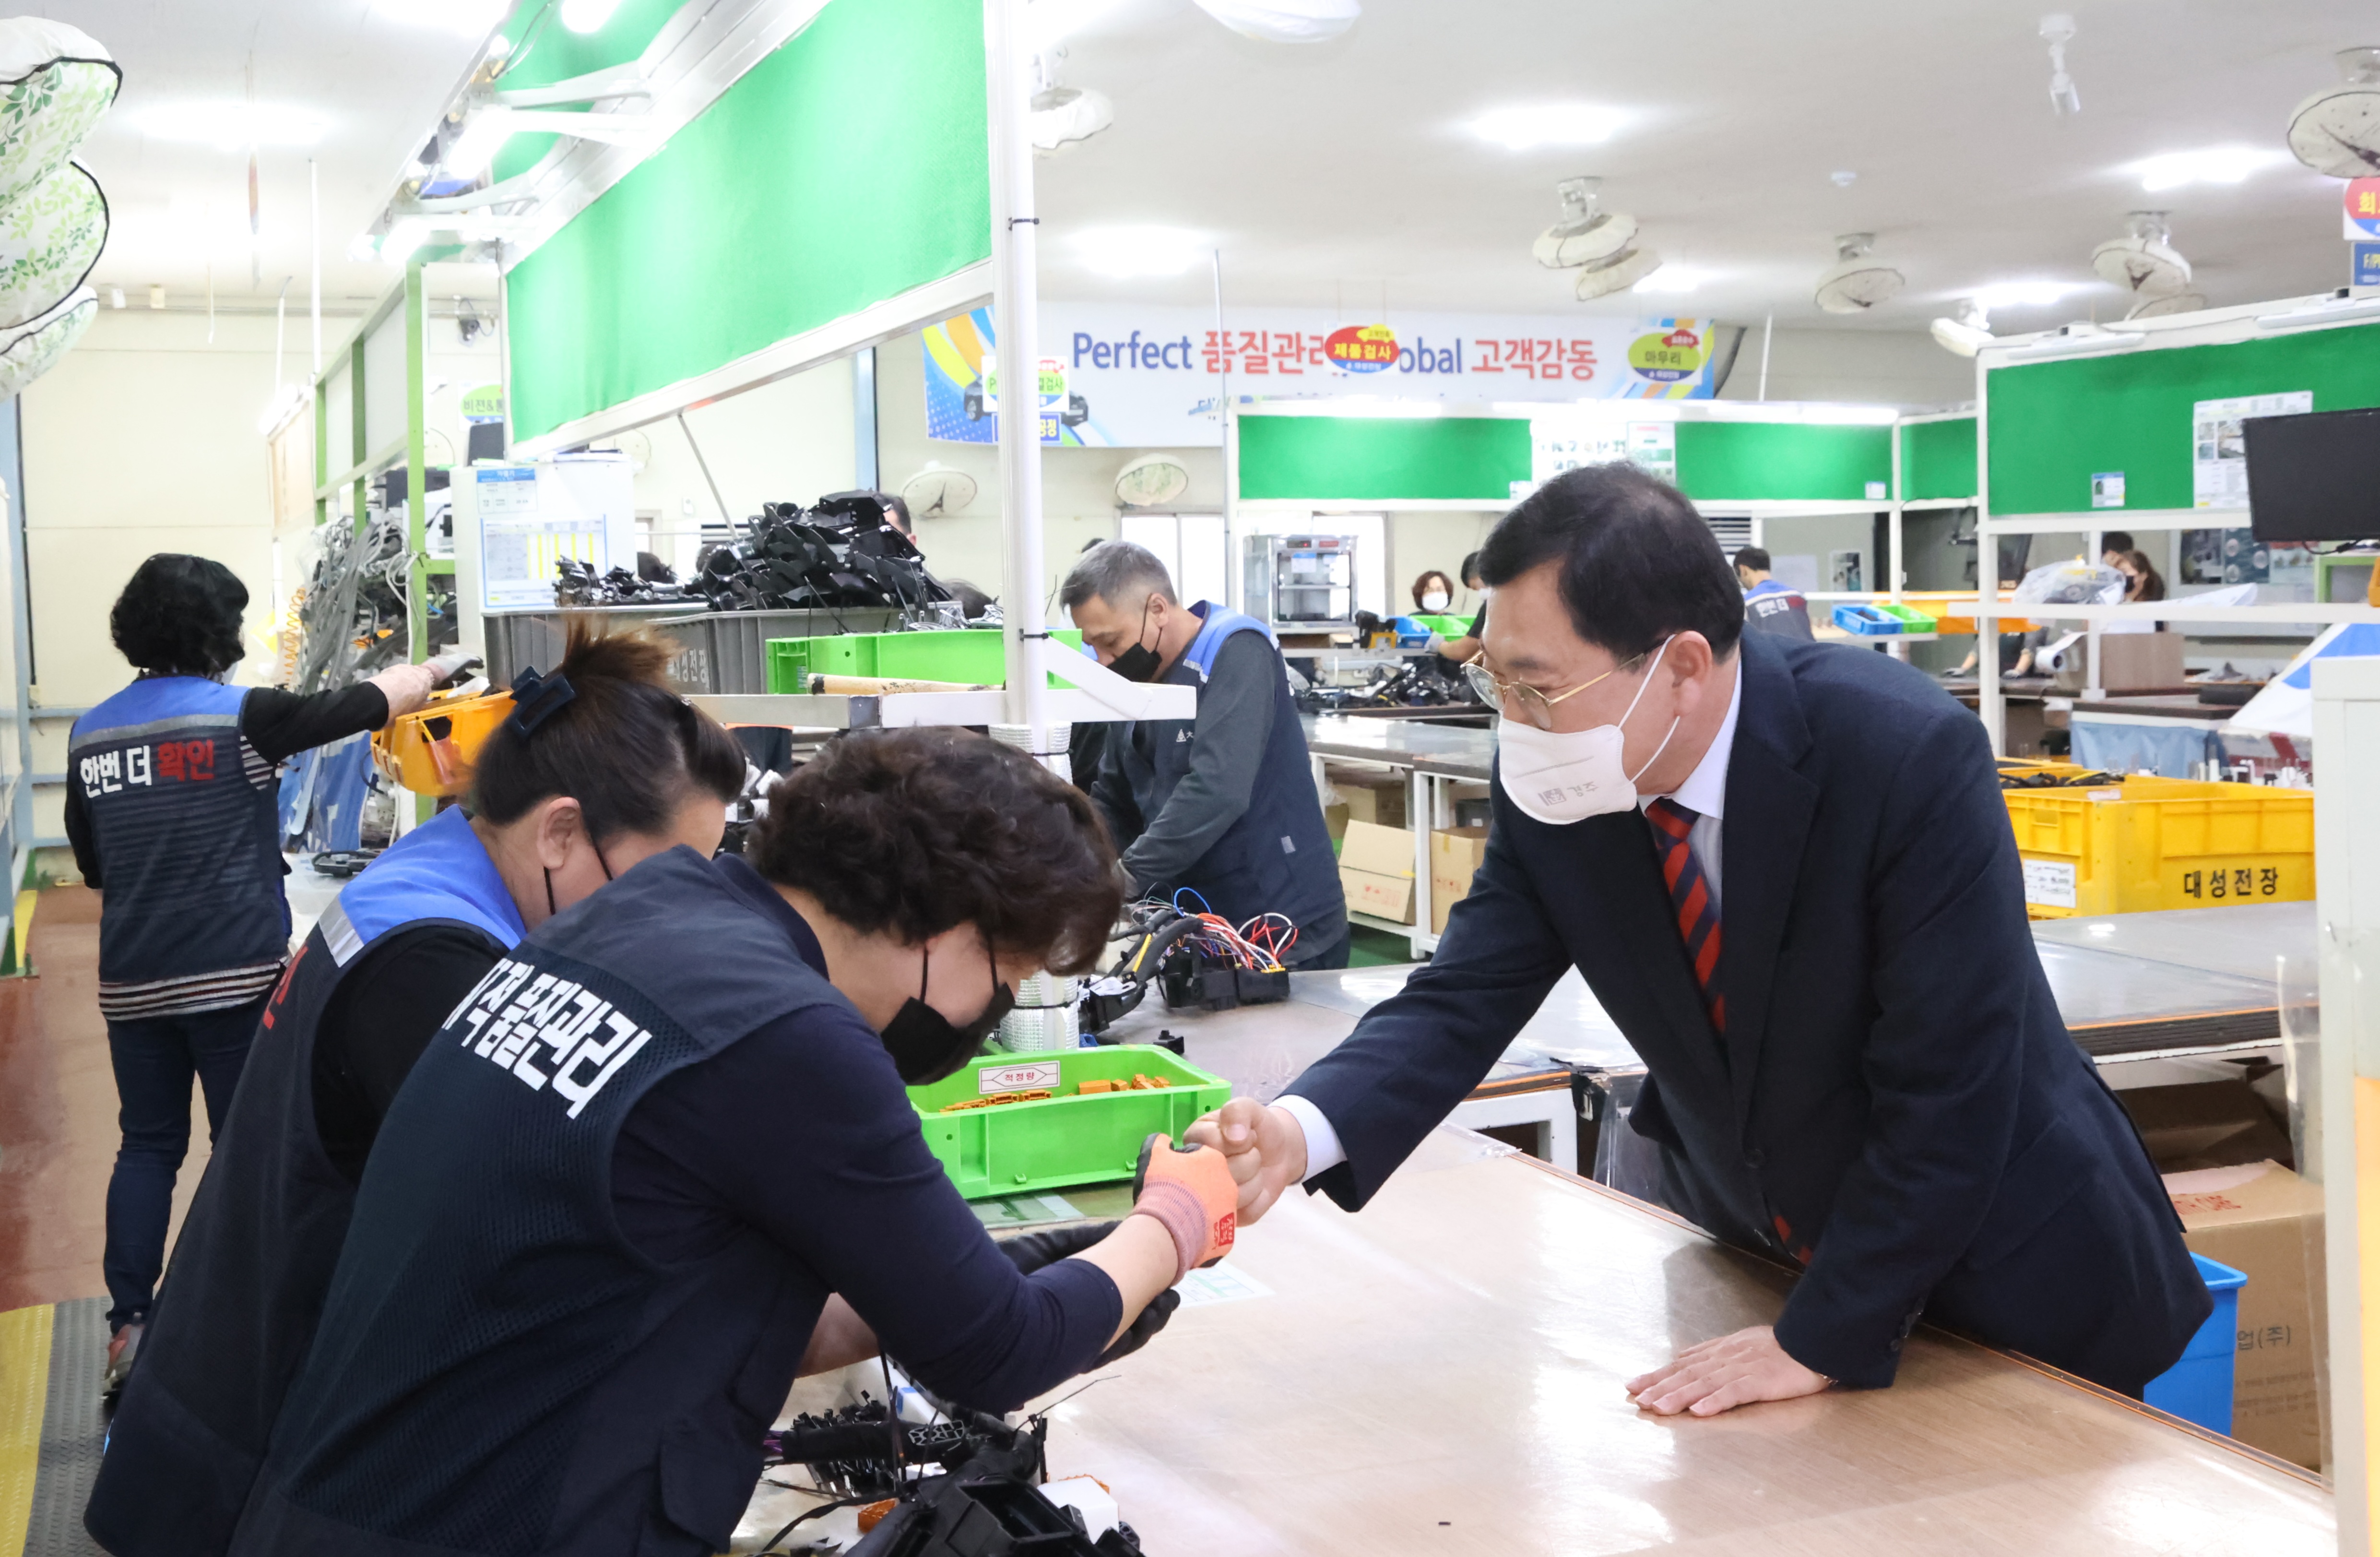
(2359, 67)
(2058, 31)
(2149, 226)
(1578, 196)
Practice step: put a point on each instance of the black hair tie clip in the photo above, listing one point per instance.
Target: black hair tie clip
(538, 699)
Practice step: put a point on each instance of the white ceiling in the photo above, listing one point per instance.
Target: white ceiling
(373, 73)
(1335, 171)
(1339, 175)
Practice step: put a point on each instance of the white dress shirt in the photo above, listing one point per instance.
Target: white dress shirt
(1704, 793)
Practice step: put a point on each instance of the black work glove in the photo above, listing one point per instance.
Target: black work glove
(1031, 1251)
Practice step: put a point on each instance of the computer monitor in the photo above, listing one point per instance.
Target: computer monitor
(2314, 477)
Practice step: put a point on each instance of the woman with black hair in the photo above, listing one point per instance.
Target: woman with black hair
(600, 767)
(173, 809)
(661, 1160)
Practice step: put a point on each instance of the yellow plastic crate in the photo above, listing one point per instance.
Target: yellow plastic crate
(2141, 844)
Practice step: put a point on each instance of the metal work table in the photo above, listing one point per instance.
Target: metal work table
(1442, 1374)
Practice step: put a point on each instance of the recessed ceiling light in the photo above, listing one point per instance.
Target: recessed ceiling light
(2025, 294)
(587, 16)
(234, 126)
(1526, 129)
(2220, 164)
(1126, 251)
(1671, 281)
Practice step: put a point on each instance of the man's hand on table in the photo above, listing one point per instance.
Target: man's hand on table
(1723, 1374)
(1265, 1148)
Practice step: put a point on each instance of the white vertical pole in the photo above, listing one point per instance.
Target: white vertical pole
(1235, 590)
(314, 223)
(1892, 553)
(1017, 324)
(1990, 706)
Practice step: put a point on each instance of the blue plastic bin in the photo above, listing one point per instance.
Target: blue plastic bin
(1411, 634)
(1867, 621)
(2198, 1388)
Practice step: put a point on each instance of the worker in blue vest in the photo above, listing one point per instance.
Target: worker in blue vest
(600, 767)
(173, 809)
(1769, 606)
(1223, 804)
(662, 1158)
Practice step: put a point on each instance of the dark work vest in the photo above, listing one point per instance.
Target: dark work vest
(1276, 857)
(498, 1370)
(1772, 607)
(187, 835)
(245, 1289)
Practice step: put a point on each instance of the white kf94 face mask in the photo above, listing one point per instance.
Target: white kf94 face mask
(1566, 776)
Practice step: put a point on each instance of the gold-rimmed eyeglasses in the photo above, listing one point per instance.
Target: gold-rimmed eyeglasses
(1518, 699)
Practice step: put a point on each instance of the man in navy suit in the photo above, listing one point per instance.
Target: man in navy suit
(1786, 871)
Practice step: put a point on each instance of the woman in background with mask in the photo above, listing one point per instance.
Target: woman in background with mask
(607, 1221)
(174, 810)
(1433, 593)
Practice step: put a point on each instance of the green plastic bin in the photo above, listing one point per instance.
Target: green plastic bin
(1447, 627)
(1025, 1149)
(973, 655)
(1911, 619)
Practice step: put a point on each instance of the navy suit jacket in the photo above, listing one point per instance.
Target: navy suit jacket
(1896, 1103)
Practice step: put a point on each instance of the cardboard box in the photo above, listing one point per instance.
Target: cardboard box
(1376, 850)
(2204, 1125)
(1376, 870)
(1383, 897)
(1370, 795)
(2265, 1223)
(1454, 855)
(2131, 662)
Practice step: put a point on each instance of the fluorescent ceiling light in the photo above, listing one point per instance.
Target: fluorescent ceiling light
(483, 136)
(403, 238)
(1526, 129)
(1127, 251)
(234, 126)
(467, 18)
(587, 16)
(2076, 343)
(2025, 294)
(1284, 21)
(1672, 281)
(2220, 164)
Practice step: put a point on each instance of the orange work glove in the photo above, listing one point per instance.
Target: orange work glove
(1192, 1195)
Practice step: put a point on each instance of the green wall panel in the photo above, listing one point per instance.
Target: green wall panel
(1770, 461)
(2054, 425)
(797, 198)
(1937, 459)
(556, 53)
(1383, 459)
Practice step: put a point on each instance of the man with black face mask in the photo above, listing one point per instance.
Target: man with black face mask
(660, 1161)
(1223, 804)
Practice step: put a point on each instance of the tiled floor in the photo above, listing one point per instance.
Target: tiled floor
(57, 1113)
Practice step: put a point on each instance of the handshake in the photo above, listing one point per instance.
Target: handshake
(1230, 1167)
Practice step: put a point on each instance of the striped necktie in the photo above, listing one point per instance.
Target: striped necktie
(1697, 910)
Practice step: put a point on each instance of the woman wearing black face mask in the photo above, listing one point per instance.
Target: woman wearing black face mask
(661, 1160)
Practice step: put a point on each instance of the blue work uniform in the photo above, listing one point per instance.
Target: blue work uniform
(1225, 804)
(245, 1291)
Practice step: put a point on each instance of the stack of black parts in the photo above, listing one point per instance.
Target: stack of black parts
(840, 555)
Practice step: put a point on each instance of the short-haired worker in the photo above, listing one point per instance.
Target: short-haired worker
(1786, 871)
(1223, 804)
(1769, 606)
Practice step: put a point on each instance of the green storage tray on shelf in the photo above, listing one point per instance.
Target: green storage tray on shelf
(973, 655)
(1447, 627)
(1911, 619)
(1023, 1149)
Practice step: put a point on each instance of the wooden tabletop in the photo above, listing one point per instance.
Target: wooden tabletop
(1441, 1375)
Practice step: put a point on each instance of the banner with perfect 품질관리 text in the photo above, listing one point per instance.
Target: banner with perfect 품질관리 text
(1120, 375)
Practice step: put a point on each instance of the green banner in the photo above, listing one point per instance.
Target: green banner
(849, 166)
